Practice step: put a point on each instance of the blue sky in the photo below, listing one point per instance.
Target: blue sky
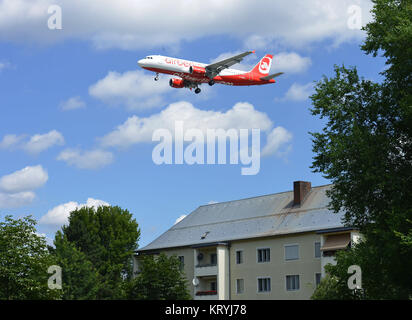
(62, 92)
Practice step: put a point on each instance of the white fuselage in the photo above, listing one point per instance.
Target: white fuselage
(174, 65)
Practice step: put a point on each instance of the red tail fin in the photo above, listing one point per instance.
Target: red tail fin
(263, 67)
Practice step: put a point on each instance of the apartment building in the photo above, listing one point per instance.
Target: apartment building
(269, 247)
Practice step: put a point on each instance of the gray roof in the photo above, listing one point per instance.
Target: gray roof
(262, 216)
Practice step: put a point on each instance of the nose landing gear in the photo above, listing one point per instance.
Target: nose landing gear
(156, 77)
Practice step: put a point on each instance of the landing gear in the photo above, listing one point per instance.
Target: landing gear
(193, 85)
(156, 77)
(211, 82)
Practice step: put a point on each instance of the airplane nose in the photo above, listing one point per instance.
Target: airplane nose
(140, 62)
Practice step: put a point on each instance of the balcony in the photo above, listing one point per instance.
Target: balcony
(206, 270)
(206, 295)
(211, 269)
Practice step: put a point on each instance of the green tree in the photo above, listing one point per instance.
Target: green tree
(376, 281)
(80, 278)
(24, 261)
(365, 148)
(108, 237)
(390, 34)
(330, 288)
(159, 278)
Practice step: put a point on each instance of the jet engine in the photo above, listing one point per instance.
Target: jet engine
(176, 83)
(199, 71)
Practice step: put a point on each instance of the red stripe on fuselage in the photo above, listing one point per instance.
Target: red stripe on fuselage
(245, 79)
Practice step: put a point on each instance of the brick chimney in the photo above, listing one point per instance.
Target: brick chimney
(300, 191)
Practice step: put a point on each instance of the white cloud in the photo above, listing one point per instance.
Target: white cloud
(10, 141)
(277, 138)
(15, 200)
(290, 62)
(35, 144)
(72, 104)
(93, 159)
(26, 179)
(136, 130)
(129, 24)
(4, 65)
(16, 189)
(257, 42)
(243, 115)
(298, 92)
(41, 142)
(180, 218)
(59, 215)
(134, 89)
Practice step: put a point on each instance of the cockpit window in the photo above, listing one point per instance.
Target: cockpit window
(149, 57)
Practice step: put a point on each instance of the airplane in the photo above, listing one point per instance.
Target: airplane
(192, 74)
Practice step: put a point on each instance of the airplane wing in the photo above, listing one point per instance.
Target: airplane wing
(271, 76)
(215, 68)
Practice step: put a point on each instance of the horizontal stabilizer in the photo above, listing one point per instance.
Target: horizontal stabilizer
(271, 76)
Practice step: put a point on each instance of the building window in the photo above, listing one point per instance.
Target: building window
(264, 285)
(240, 286)
(213, 286)
(182, 262)
(292, 282)
(263, 255)
(292, 252)
(317, 249)
(317, 278)
(239, 257)
(213, 259)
